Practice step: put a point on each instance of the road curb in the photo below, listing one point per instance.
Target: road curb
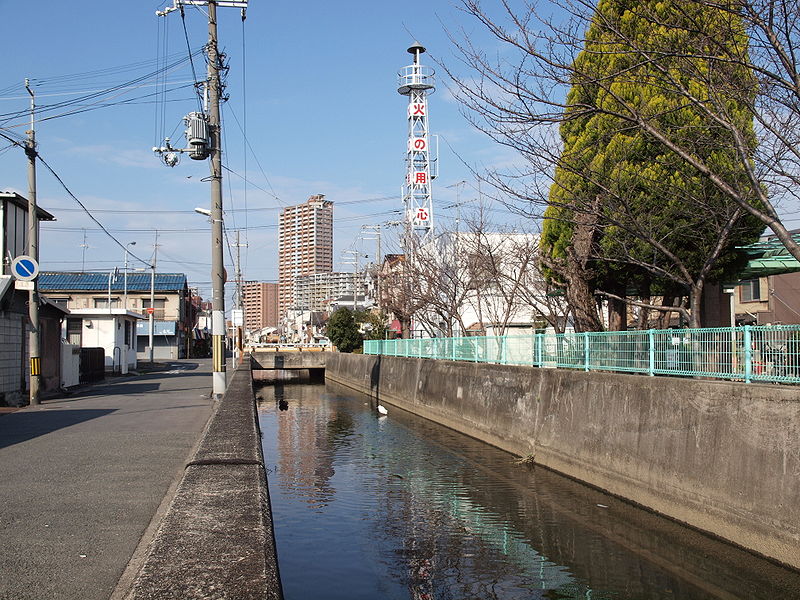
(215, 540)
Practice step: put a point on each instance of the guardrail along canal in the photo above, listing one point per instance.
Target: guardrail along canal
(366, 506)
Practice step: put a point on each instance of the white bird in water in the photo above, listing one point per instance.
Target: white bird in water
(382, 410)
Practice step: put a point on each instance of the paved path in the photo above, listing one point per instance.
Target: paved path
(81, 479)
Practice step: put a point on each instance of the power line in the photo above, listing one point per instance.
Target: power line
(91, 216)
(186, 212)
(99, 94)
(191, 60)
(253, 152)
(56, 79)
(133, 87)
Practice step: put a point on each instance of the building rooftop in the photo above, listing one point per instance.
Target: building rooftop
(67, 281)
(104, 312)
(22, 202)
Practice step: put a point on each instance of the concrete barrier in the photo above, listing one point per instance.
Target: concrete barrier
(288, 360)
(722, 457)
(216, 539)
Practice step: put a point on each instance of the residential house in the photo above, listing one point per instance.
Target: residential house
(174, 313)
(14, 364)
(773, 299)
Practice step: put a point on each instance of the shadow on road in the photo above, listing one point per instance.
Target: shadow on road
(106, 390)
(22, 426)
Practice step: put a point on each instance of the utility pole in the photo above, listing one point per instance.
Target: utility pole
(376, 229)
(352, 258)
(217, 258)
(239, 300)
(33, 252)
(83, 246)
(458, 186)
(200, 149)
(125, 288)
(150, 336)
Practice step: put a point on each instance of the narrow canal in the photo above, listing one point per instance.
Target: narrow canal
(373, 507)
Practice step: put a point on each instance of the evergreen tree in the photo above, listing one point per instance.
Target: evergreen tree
(343, 330)
(626, 214)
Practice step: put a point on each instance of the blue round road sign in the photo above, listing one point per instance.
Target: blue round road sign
(25, 268)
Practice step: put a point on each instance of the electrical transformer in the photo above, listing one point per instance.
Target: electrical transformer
(197, 135)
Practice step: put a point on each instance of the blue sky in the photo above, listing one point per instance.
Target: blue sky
(322, 116)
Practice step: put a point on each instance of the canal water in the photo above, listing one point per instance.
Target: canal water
(384, 507)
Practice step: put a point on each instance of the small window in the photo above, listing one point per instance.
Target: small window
(159, 306)
(74, 331)
(103, 302)
(750, 290)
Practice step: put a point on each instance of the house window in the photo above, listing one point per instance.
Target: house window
(60, 301)
(159, 304)
(750, 290)
(103, 302)
(74, 327)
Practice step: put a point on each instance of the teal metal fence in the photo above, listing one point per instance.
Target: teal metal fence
(750, 353)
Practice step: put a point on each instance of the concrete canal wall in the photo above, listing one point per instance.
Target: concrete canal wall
(216, 539)
(721, 457)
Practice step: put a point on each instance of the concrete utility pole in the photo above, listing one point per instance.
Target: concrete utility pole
(150, 336)
(213, 144)
(239, 300)
(376, 229)
(33, 252)
(217, 258)
(125, 288)
(351, 257)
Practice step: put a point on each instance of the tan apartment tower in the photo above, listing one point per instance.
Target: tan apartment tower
(305, 245)
(260, 302)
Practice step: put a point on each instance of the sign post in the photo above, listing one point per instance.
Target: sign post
(25, 270)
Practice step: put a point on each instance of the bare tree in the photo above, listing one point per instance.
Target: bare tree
(442, 280)
(518, 100)
(397, 295)
(503, 264)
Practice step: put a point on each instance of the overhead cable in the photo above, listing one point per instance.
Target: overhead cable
(91, 216)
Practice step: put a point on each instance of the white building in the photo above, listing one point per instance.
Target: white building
(316, 291)
(113, 329)
(490, 280)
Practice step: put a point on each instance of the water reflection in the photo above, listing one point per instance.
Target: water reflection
(398, 507)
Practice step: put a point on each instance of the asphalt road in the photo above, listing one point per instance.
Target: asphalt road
(81, 479)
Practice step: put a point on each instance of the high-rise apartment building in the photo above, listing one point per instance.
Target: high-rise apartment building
(315, 292)
(305, 245)
(260, 303)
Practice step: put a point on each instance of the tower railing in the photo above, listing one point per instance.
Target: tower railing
(420, 77)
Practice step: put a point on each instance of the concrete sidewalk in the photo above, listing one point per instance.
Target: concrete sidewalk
(81, 478)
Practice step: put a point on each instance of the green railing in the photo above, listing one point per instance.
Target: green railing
(762, 353)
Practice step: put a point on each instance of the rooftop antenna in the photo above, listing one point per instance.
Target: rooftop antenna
(416, 81)
(83, 246)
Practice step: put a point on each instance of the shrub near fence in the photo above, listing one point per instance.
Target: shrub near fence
(750, 353)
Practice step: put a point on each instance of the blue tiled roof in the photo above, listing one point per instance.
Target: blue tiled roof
(64, 281)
